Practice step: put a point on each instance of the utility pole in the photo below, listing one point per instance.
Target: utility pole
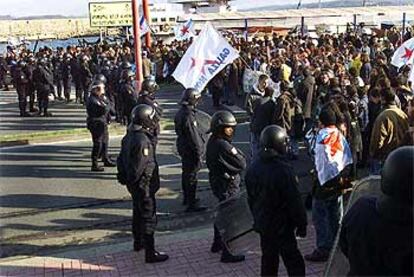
(137, 44)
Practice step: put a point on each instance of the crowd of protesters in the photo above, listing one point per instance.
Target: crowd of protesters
(342, 80)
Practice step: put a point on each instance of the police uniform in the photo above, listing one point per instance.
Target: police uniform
(129, 99)
(67, 78)
(137, 164)
(43, 78)
(225, 164)
(86, 79)
(98, 111)
(190, 146)
(277, 210)
(21, 81)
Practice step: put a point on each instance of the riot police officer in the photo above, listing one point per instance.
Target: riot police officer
(67, 77)
(377, 232)
(21, 82)
(190, 146)
(58, 75)
(129, 97)
(147, 96)
(276, 204)
(31, 67)
(138, 170)
(98, 110)
(43, 78)
(225, 164)
(85, 77)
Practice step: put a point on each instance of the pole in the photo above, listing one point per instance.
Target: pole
(137, 44)
(302, 26)
(355, 23)
(246, 29)
(145, 8)
(403, 27)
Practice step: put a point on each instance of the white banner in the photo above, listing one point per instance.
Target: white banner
(206, 57)
(404, 54)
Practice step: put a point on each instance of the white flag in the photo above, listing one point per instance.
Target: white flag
(404, 54)
(206, 57)
(184, 31)
(143, 25)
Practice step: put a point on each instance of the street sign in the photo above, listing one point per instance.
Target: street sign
(110, 14)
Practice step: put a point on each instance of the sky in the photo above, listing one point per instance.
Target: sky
(19, 8)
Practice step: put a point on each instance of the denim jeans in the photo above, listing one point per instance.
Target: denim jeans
(294, 146)
(375, 167)
(326, 217)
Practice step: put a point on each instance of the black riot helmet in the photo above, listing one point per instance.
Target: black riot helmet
(149, 86)
(397, 174)
(222, 119)
(101, 78)
(129, 74)
(274, 137)
(126, 65)
(190, 97)
(144, 115)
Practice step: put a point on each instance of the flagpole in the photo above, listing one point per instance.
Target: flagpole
(146, 11)
(137, 44)
(244, 61)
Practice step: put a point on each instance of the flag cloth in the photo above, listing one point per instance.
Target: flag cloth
(332, 153)
(207, 56)
(143, 25)
(184, 31)
(404, 54)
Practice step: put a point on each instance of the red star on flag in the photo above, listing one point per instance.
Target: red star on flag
(408, 53)
(201, 63)
(184, 30)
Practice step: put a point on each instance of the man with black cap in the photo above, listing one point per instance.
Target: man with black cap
(377, 232)
(138, 170)
(98, 110)
(276, 204)
(21, 82)
(147, 96)
(225, 164)
(190, 146)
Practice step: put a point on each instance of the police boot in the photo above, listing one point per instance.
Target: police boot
(138, 245)
(96, 168)
(227, 257)
(216, 247)
(109, 163)
(152, 256)
(46, 113)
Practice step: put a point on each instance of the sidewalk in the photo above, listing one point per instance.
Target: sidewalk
(189, 256)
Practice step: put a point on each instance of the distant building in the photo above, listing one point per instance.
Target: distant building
(164, 16)
(204, 6)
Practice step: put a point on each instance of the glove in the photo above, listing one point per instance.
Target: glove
(301, 232)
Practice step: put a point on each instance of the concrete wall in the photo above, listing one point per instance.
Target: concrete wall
(45, 28)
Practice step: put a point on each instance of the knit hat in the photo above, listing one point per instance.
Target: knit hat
(327, 116)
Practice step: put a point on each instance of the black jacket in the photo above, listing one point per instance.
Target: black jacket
(97, 109)
(377, 237)
(263, 114)
(225, 164)
(190, 140)
(129, 97)
(43, 77)
(273, 195)
(137, 162)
